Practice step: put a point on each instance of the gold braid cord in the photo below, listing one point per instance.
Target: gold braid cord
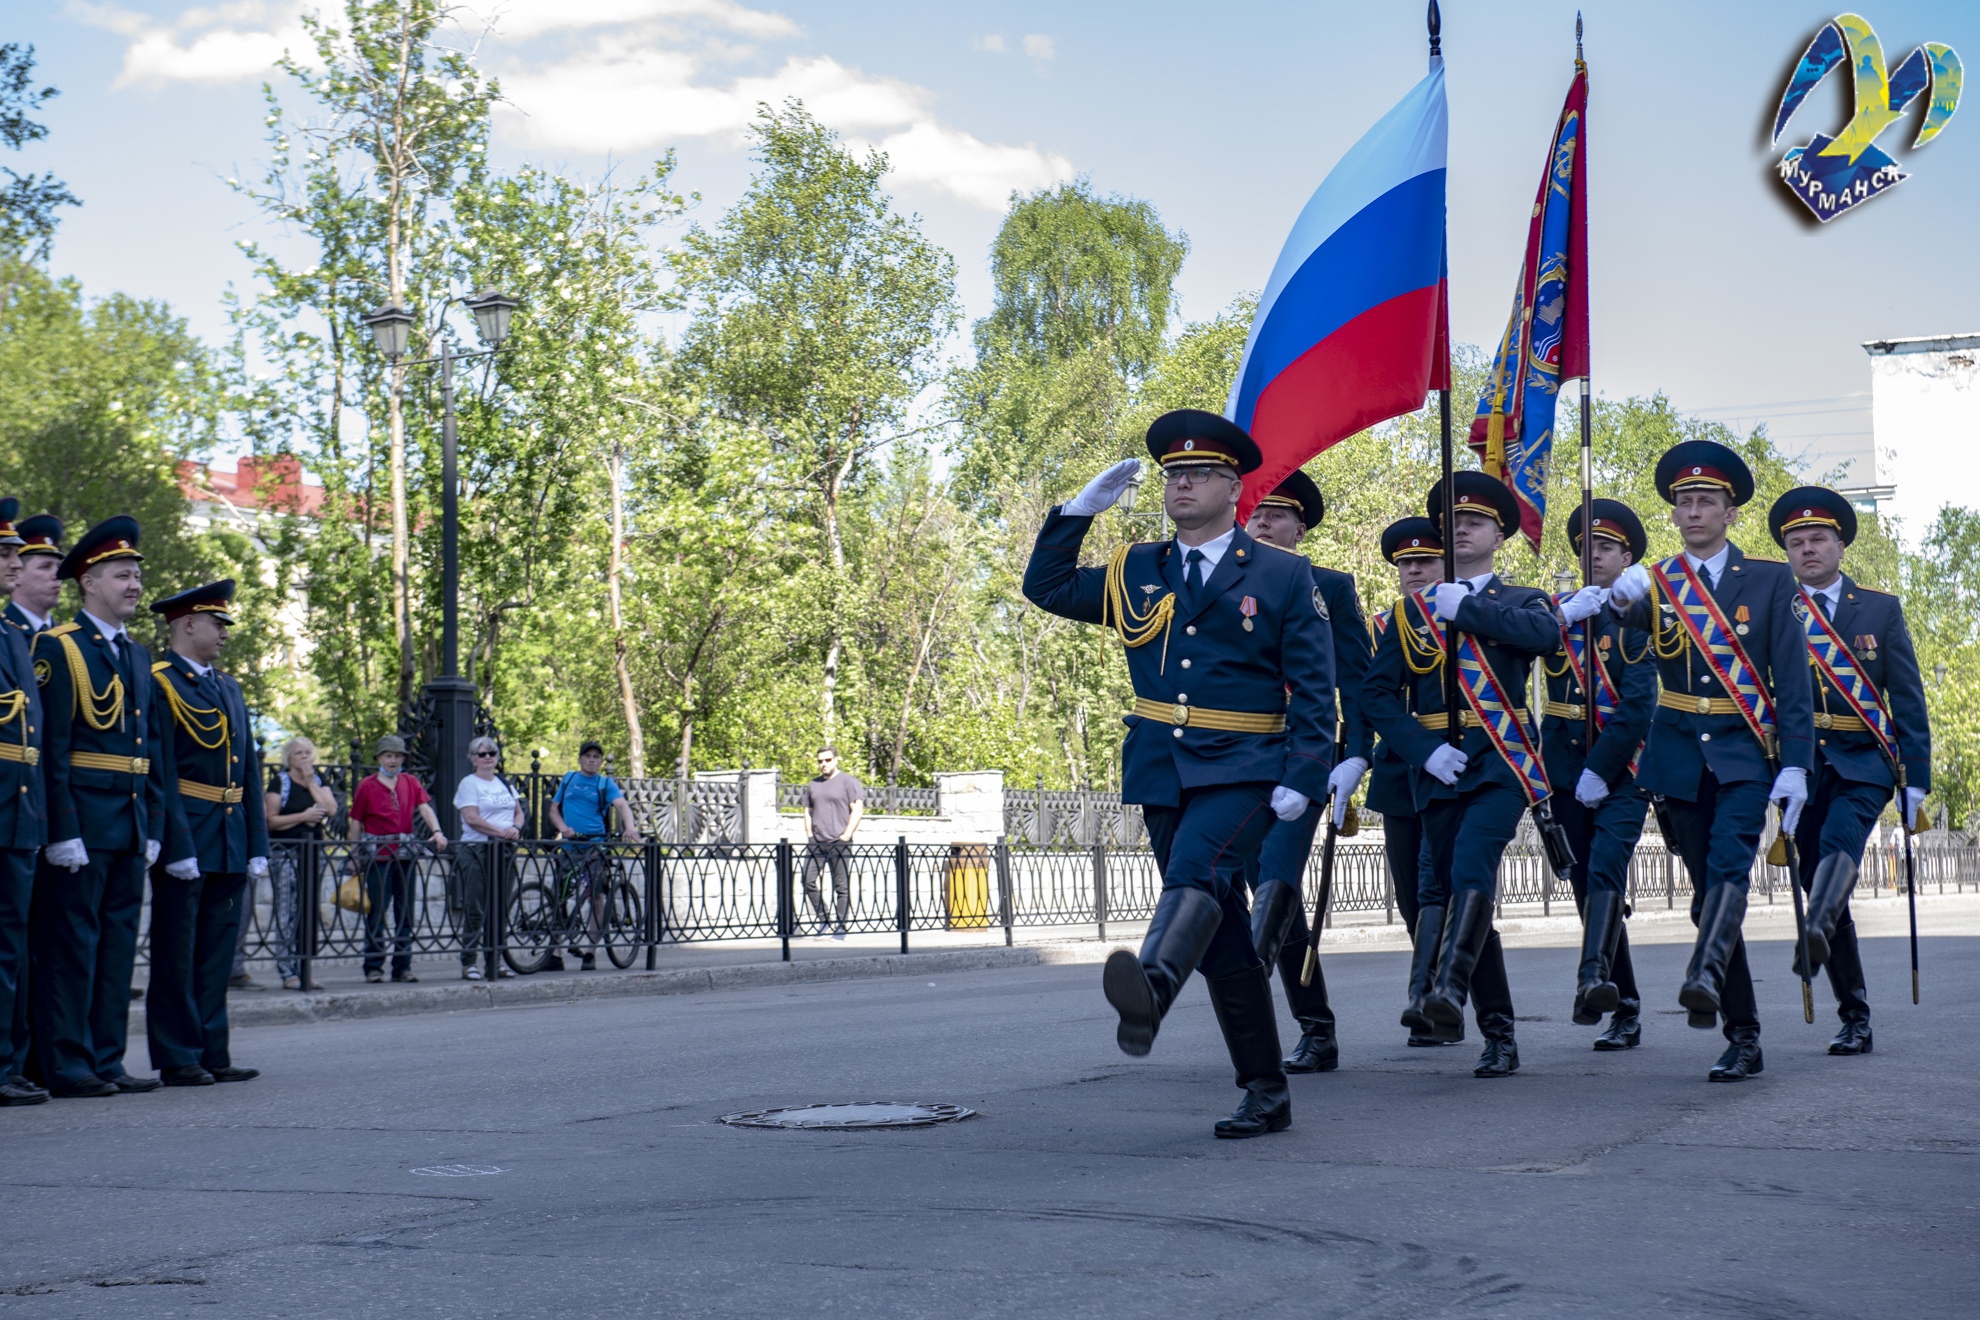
(210, 733)
(1664, 650)
(11, 705)
(1136, 627)
(99, 710)
(1421, 659)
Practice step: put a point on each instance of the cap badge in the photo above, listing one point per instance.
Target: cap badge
(1189, 444)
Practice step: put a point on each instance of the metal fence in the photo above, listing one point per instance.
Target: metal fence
(881, 799)
(624, 901)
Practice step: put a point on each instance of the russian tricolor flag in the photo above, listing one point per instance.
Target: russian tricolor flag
(1352, 328)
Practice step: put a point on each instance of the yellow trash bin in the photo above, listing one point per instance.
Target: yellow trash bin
(966, 888)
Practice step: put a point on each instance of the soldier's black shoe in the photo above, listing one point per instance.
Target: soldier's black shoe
(1828, 890)
(1625, 1032)
(22, 1092)
(189, 1075)
(1500, 1058)
(1466, 926)
(92, 1089)
(1594, 993)
(1422, 964)
(1317, 1052)
(1272, 905)
(1243, 1003)
(130, 1085)
(1854, 1038)
(229, 1073)
(1740, 1061)
(1141, 989)
(1423, 1039)
(1719, 918)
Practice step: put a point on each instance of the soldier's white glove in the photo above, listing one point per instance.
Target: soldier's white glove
(1791, 791)
(1342, 783)
(1914, 798)
(1447, 596)
(1289, 803)
(1632, 586)
(1103, 491)
(257, 868)
(1583, 603)
(151, 852)
(1590, 789)
(1446, 764)
(68, 854)
(186, 868)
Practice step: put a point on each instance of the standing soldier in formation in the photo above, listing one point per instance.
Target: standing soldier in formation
(1205, 618)
(1470, 793)
(105, 776)
(1733, 729)
(215, 809)
(1871, 734)
(1603, 816)
(1413, 546)
(20, 813)
(39, 588)
(1278, 917)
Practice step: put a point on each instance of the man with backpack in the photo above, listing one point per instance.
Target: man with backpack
(585, 800)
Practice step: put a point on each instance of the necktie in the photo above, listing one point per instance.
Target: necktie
(1193, 574)
(1828, 607)
(1705, 571)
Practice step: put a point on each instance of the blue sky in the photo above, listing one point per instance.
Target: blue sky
(1706, 283)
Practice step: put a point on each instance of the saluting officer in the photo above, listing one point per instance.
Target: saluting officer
(21, 809)
(1870, 723)
(1278, 914)
(1233, 722)
(1413, 546)
(105, 776)
(1733, 729)
(1603, 816)
(214, 807)
(31, 610)
(1470, 794)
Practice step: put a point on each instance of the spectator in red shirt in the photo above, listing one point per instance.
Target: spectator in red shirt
(382, 812)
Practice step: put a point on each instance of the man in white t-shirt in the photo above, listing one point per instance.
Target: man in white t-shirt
(489, 811)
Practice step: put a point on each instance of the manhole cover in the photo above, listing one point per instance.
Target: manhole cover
(866, 1114)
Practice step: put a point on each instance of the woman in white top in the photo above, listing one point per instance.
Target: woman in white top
(490, 817)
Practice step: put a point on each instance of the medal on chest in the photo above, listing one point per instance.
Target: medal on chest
(1248, 607)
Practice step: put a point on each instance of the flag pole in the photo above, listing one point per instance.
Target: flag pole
(1453, 726)
(1591, 691)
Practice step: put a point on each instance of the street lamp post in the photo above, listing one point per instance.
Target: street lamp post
(451, 696)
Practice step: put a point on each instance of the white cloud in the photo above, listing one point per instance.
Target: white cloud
(529, 18)
(224, 43)
(1039, 46)
(981, 173)
(993, 43)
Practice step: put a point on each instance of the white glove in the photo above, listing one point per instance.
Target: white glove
(1791, 791)
(1583, 603)
(1447, 596)
(1914, 798)
(1103, 491)
(1342, 783)
(186, 868)
(1289, 803)
(257, 868)
(1446, 764)
(151, 852)
(69, 854)
(1632, 586)
(1590, 789)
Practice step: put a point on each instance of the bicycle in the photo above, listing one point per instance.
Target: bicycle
(590, 901)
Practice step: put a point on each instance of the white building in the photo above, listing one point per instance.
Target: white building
(1925, 417)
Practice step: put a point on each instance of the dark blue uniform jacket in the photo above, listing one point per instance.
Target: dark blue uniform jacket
(1682, 742)
(112, 810)
(1871, 624)
(1351, 653)
(22, 800)
(1391, 786)
(222, 835)
(1284, 662)
(1626, 659)
(1512, 625)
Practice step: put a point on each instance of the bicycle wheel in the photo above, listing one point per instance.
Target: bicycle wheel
(534, 922)
(625, 925)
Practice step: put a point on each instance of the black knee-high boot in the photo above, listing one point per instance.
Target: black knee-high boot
(1594, 993)
(1422, 966)
(1719, 918)
(1141, 989)
(1466, 925)
(1835, 877)
(1243, 1001)
(1272, 906)
(1318, 1049)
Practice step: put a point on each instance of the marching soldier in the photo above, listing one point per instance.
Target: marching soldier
(1604, 814)
(21, 808)
(105, 779)
(214, 807)
(1205, 618)
(1472, 793)
(1278, 916)
(1733, 729)
(1871, 733)
(30, 610)
(1413, 546)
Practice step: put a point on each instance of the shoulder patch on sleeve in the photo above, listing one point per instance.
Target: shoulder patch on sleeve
(41, 673)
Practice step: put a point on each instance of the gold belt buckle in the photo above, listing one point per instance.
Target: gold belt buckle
(1704, 705)
(1179, 714)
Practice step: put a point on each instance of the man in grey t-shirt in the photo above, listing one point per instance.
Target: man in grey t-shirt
(833, 804)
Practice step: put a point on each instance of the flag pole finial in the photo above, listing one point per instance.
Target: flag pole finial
(1436, 30)
(1577, 36)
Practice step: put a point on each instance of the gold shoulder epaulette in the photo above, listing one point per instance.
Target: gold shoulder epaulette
(1873, 591)
(1764, 559)
(1281, 549)
(160, 666)
(61, 629)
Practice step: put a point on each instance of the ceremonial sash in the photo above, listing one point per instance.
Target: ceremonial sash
(1837, 664)
(1497, 716)
(1607, 700)
(1705, 625)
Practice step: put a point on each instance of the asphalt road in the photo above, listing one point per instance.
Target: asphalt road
(567, 1159)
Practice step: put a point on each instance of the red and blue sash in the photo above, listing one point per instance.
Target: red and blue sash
(1607, 700)
(1705, 624)
(1837, 664)
(1513, 740)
